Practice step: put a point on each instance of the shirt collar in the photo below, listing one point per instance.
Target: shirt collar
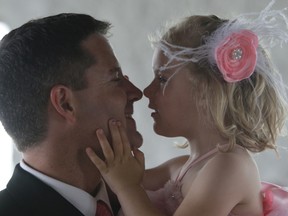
(79, 198)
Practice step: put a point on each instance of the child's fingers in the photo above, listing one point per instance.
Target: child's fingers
(116, 139)
(125, 140)
(106, 148)
(100, 164)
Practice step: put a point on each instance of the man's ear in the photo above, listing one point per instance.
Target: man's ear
(62, 100)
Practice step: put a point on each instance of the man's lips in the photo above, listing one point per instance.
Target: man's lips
(129, 115)
(129, 118)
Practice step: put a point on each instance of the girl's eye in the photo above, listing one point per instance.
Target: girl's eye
(162, 79)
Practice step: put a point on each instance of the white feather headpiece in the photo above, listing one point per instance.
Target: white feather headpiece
(235, 49)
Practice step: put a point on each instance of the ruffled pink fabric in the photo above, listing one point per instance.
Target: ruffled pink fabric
(168, 199)
(275, 200)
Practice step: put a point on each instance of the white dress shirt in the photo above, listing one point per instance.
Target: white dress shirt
(82, 200)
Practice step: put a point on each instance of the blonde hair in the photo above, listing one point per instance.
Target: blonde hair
(251, 112)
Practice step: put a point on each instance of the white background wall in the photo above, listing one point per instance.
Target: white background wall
(133, 20)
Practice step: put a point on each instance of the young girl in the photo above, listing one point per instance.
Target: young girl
(214, 85)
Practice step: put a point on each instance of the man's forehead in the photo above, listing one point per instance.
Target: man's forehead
(96, 44)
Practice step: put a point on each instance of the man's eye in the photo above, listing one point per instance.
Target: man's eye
(116, 79)
(117, 76)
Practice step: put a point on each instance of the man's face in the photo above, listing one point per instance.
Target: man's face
(108, 95)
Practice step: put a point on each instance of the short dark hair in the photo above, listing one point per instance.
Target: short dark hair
(35, 57)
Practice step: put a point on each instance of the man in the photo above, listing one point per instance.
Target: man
(59, 82)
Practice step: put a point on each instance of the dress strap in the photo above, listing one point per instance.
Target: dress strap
(183, 171)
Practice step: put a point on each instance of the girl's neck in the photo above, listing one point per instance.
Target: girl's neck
(204, 144)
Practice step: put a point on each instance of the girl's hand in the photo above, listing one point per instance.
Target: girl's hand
(123, 167)
(123, 170)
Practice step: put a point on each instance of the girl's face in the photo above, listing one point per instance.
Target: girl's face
(172, 99)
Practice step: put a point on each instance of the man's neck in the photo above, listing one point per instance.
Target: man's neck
(74, 169)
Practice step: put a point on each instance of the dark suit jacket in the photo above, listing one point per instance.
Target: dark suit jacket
(26, 195)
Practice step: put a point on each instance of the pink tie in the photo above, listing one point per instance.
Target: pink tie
(103, 209)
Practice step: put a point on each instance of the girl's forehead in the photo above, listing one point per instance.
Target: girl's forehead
(159, 60)
(158, 57)
(162, 63)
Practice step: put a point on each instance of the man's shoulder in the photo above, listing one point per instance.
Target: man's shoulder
(8, 206)
(12, 197)
(27, 195)
(3, 195)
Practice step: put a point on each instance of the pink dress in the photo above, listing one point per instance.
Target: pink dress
(168, 198)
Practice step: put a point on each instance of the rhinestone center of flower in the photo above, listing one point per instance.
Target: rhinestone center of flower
(237, 54)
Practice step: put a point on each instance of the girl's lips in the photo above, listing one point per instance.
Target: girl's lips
(153, 114)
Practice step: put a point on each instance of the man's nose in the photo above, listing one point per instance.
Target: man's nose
(147, 90)
(134, 93)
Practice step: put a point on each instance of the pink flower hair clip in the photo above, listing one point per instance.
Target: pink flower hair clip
(236, 55)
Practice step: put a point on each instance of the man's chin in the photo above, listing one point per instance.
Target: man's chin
(136, 140)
